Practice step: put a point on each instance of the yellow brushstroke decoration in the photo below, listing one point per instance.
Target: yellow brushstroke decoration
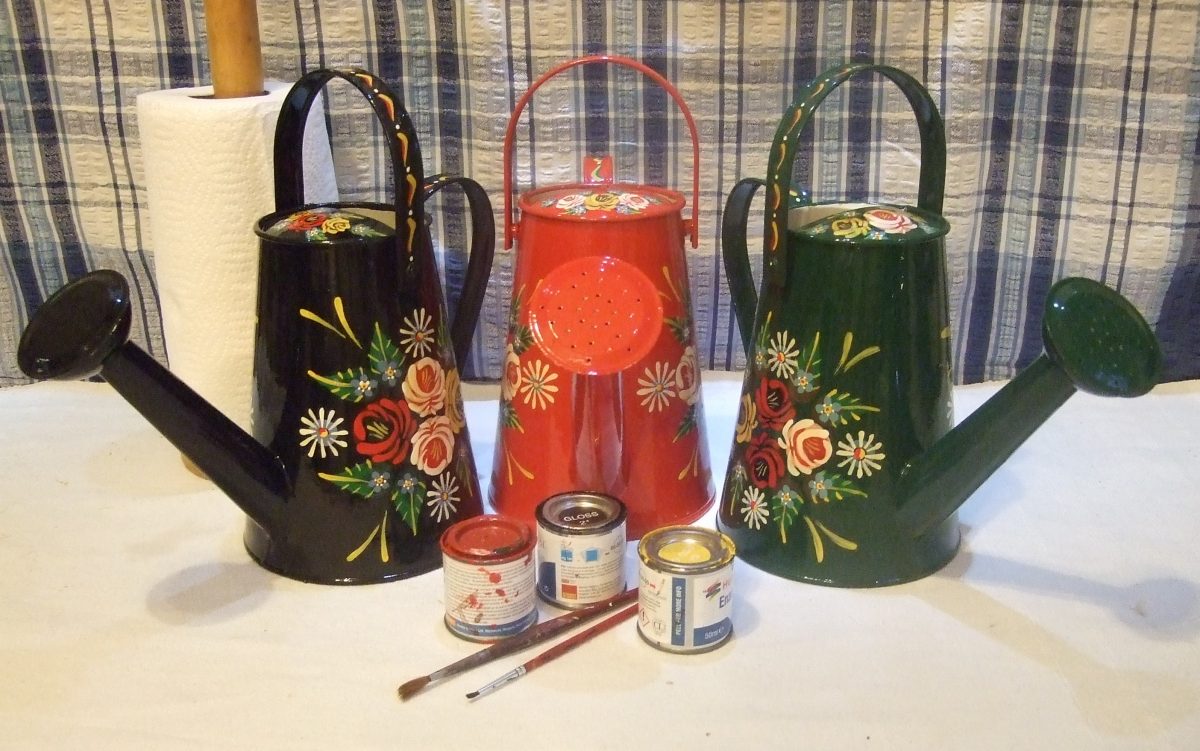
(359, 550)
(818, 546)
(305, 313)
(341, 313)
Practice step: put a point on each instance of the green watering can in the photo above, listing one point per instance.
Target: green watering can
(845, 470)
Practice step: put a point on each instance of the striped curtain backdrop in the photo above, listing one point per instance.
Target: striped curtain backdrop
(1072, 132)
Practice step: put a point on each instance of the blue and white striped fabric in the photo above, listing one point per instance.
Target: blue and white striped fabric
(1072, 131)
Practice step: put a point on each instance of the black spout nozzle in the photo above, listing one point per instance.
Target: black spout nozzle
(83, 329)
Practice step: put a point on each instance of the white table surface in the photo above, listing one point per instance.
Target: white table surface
(131, 616)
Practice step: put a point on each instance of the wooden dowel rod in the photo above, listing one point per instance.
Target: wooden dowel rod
(234, 51)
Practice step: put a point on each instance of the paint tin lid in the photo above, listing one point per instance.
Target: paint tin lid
(487, 539)
(686, 550)
(580, 513)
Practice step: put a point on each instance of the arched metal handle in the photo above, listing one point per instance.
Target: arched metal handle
(783, 151)
(407, 169)
(510, 218)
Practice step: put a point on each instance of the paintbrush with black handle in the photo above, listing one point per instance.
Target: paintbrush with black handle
(512, 644)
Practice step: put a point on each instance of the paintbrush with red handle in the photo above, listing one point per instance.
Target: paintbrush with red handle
(558, 650)
(527, 638)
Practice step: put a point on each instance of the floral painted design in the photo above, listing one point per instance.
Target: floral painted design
(404, 434)
(792, 454)
(537, 385)
(876, 223)
(324, 223)
(657, 386)
(321, 431)
(615, 201)
(754, 508)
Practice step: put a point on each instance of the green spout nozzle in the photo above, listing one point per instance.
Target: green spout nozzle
(1095, 340)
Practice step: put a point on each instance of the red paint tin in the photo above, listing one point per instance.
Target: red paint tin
(489, 574)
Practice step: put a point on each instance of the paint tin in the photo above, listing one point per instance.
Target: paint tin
(488, 570)
(581, 548)
(685, 589)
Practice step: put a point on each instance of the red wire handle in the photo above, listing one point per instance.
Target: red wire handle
(510, 218)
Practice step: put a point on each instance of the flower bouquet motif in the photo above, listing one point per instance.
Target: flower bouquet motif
(665, 381)
(406, 427)
(527, 383)
(318, 224)
(872, 224)
(617, 201)
(795, 449)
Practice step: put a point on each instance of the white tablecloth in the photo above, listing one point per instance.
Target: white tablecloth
(131, 616)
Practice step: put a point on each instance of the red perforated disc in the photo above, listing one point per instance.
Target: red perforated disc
(595, 315)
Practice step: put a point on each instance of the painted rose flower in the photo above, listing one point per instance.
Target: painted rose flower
(774, 405)
(510, 384)
(307, 220)
(433, 445)
(601, 201)
(570, 201)
(634, 202)
(687, 376)
(454, 401)
(424, 387)
(806, 445)
(764, 460)
(382, 431)
(892, 222)
(850, 226)
(335, 224)
(747, 420)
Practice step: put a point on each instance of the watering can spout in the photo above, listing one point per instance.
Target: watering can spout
(83, 330)
(1095, 341)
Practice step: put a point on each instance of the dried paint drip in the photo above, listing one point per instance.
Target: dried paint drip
(685, 589)
(581, 548)
(489, 574)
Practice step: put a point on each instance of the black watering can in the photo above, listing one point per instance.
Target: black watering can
(360, 456)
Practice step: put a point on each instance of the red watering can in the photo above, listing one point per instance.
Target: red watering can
(601, 388)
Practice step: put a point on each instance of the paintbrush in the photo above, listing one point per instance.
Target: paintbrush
(527, 638)
(558, 650)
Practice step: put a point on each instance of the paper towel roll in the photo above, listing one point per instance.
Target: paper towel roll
(208, 166)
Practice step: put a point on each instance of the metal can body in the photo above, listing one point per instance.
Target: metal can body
(489, 574)
(685, 595)
(581, 549)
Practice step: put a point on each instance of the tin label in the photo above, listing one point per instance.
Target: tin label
(578, 570)
(685, 613)
(489, 601)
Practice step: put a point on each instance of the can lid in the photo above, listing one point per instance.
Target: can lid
(487, 538)
(686, 550)
(581, 513)
(881, 223)
(325, 224)
(602, 202)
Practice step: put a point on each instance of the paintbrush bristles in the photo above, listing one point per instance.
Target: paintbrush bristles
(410, 688)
